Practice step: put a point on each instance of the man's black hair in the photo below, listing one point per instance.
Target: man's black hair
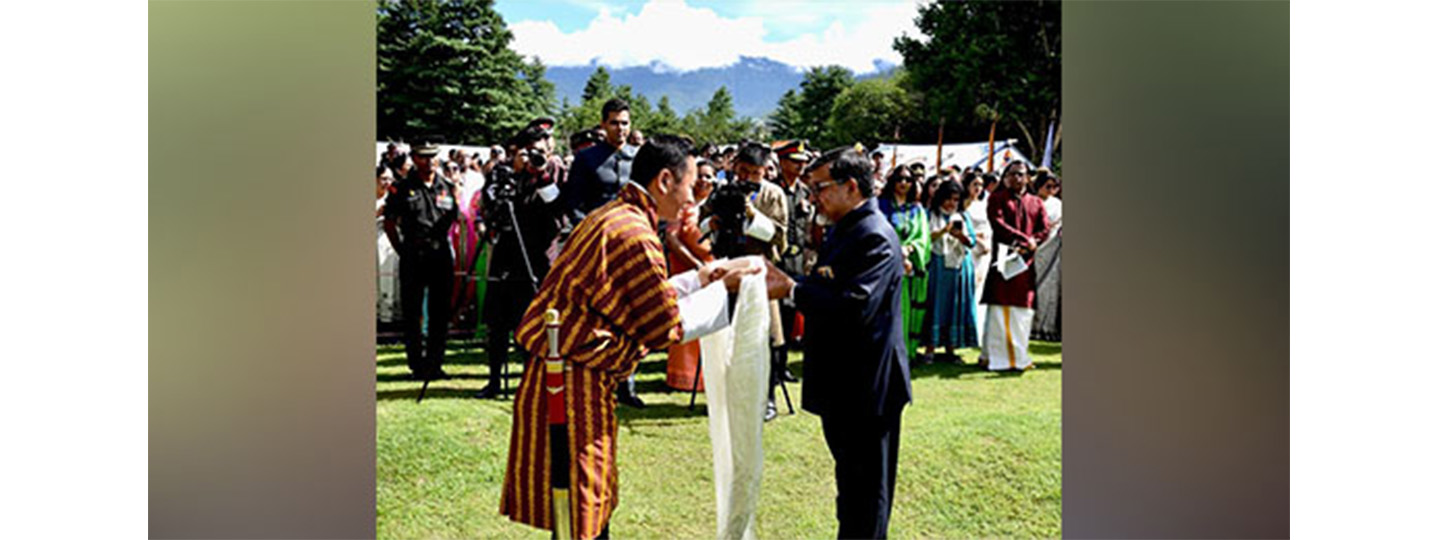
(614, 105)
(754, 153)
(846, 164)
(1028, 171)
(990, 178)
(661, 152)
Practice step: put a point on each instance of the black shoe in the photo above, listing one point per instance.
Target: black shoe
(489, 392)
(770, 412)
(631, 400)
(786, 376)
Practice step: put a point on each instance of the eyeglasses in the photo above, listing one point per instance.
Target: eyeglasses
(817, 187)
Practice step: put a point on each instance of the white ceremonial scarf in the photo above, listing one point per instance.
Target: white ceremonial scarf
(736, 361)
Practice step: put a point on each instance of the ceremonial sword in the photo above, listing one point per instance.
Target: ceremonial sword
(559, 437)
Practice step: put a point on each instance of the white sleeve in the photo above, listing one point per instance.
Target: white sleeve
(686, 283)
(761, 228)
(704, 312)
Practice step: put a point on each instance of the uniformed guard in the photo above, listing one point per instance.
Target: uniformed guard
(798, 252)
(418, 216)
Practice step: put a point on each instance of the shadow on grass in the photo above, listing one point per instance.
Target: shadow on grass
(658, 413)
(955, 371)
(1044, 347)
(401, 377)
(433, 393)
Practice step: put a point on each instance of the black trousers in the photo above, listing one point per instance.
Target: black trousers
(505, 304)
(865, 454)
(426, 272)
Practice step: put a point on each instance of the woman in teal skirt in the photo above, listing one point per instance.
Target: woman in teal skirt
(950, 320)
(900, 203)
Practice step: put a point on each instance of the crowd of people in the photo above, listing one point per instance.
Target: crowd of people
(941, 216)
(965, 247)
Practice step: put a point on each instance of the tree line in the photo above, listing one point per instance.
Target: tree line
(445, 67)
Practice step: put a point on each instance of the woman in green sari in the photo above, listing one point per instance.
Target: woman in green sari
(900, 203)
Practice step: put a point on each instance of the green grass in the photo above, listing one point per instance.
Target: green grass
(979, 457)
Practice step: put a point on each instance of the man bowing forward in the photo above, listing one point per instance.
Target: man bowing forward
(609, 285)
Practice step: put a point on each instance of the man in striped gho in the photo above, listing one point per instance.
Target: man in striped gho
(609, 285)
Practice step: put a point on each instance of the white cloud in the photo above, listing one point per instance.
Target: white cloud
(685, 37)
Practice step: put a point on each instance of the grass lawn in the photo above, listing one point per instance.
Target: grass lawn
(979, 457)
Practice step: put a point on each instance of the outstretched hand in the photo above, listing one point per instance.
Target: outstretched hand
(728, 270)
(777, 284)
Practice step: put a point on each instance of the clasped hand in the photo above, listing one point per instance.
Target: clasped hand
(731, 271)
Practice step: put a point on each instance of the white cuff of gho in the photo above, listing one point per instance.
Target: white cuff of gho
(760, 228)
(686, 282)
(705, 227)
(704, 312)
(548, 193)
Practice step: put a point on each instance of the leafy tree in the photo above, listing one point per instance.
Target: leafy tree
(785, 121)
(541, 93)
(664, 120)
(598, 86)
(817, 97)
(870, 112)
(984, 61)
(445, 68)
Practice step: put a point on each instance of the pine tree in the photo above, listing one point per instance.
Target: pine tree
(597, 87)
(445, 68)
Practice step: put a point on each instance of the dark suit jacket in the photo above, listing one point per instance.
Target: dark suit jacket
(855, 361)
(595, 178)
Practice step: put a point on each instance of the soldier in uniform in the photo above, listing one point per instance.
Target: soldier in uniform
(793, 158)
(418, 216)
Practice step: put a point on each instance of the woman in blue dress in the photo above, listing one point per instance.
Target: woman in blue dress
(950, 320)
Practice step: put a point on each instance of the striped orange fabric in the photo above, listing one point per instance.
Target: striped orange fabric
(615, 305)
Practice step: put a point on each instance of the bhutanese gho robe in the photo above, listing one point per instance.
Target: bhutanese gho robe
(609, 285)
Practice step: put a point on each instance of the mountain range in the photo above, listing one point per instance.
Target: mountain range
(756, 84)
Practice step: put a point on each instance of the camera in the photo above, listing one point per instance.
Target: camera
(500, 194)
(727, 205)
(535, 156)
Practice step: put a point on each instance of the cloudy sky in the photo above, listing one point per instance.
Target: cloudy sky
(693, 34)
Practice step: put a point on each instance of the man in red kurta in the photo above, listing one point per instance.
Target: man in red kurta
(609, 285)
(1019, 223)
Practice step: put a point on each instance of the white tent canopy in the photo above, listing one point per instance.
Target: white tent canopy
(958, 154)
(484, 151)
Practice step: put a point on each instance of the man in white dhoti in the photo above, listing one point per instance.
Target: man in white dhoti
(1019, 223)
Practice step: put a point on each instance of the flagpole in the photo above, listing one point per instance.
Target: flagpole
(1049, 145)
(990, 161)
(940, 145)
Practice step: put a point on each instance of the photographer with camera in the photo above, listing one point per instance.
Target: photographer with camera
(749, 216)
(522, 216)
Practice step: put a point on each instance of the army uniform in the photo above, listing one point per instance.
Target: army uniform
(424, 215)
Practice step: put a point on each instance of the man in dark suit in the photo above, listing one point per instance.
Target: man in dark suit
(857, 376)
